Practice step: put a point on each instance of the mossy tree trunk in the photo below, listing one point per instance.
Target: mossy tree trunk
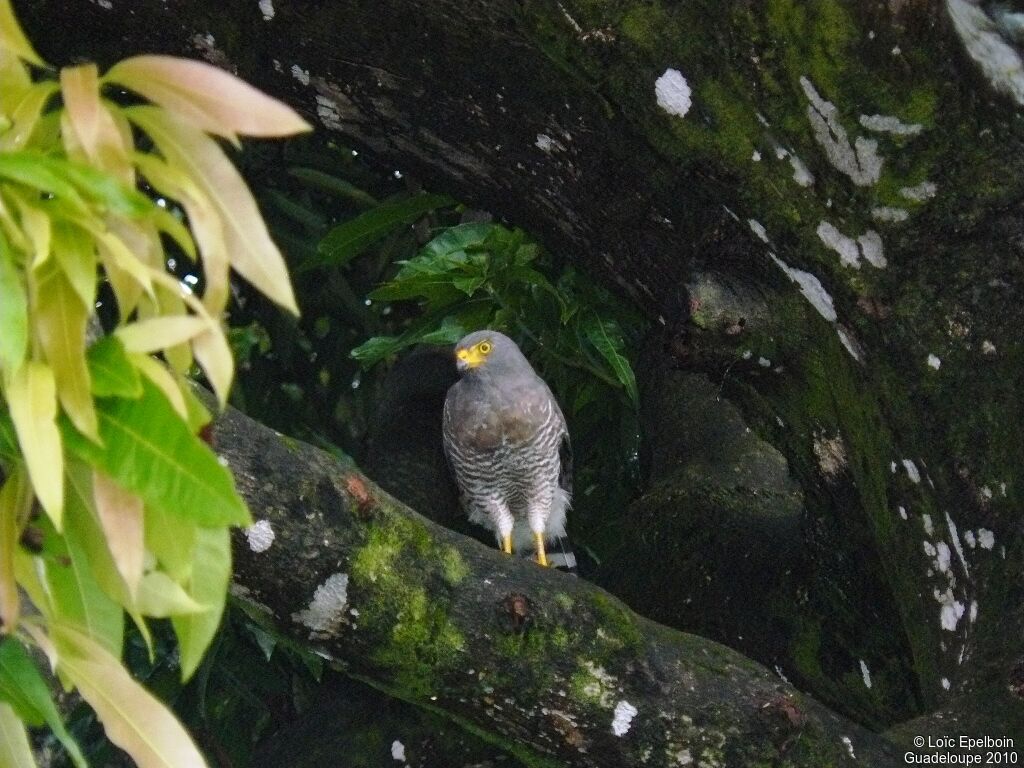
(830, 237)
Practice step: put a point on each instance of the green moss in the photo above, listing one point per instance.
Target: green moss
(453, 568)
(377, 557)
(618, 622)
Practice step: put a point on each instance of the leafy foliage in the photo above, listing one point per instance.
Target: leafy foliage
(104, 435)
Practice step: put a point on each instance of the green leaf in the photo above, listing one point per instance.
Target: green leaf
(15, 751)
(38, 172)
(77, 596)
(607, 339)
(147, 449)
(8, 437)
(23, 687)
(13, 311)
(334, 185)
(349, 239)
(13, 39)
(458, 238)
(211, 575)
(112, 371)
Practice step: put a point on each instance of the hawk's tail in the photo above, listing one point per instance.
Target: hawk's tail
(561, 555)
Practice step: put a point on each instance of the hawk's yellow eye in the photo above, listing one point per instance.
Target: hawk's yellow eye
(484, 347)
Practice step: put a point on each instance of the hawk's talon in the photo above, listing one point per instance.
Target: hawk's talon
(506, 544)
(541, 557)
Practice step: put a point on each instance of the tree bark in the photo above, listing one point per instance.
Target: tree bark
(553, 668)
(870, 153)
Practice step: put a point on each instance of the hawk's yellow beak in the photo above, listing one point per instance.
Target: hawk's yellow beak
(469, 358)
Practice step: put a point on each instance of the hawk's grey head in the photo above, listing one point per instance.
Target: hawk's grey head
(490, 353)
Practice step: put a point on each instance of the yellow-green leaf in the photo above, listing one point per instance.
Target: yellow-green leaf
(25, 116)
(16, 80)
(207, 97)
(214, 356)
(133, 719)
(75, 251)
(164, 380)
(160, 597)
(13, 38)
(60, 321)
(15, 504)
(15, 751)
(158, 333)
(120, 516)
(32, 397)
(37, 227)
(211, 575)
(13, 312)
(173, 540)
(250, 250)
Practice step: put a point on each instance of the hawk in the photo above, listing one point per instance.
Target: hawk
(508, 446)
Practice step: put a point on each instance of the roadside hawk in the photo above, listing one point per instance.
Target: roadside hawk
(508, 446)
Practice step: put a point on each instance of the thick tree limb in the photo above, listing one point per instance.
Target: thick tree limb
(546, 663)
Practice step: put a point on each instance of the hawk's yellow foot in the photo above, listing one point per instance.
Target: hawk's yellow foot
(506, 544)
(541, 557)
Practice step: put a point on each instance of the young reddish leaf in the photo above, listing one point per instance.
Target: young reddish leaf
(15, 751)
(32, 398)
(211, 575)
(91, 123)
(120, 516)
(250, 250)
(133, 719)
(13, 39)
(207, 97)
(60, 321)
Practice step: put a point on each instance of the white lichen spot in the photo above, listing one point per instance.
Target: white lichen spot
(986, 539)
(850, 344)
(846, 247)
(398, 751)
(801, 173)
(942, 556)
(999, 61)
(673, 93)
(890, 124)
(831, 454)
(623, 718)
(954, 536)
(260, 536)
(811, 288)
(973, 613)
(683, 757)
(969, 538)
(945, 683)
(861, 162)
(889, 214)
(926, 521)
(764, 362)
(267, 9)
(929, 548)
(547, 144)
(871, 247)
(758, 229)
(912, 473)
(300, 74)
(988, 348)
(327, 111)
(865, 673)
(952, 610)
(756, 157)
(920, 193)
(903, 512)
(327, 609)
(934, 362)
(849, 746)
